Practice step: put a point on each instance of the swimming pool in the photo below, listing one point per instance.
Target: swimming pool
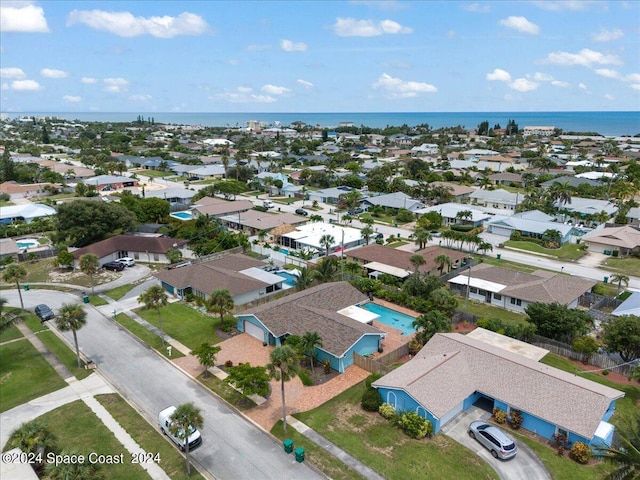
(24, 243)
(393, 318)
(289, 278)
(184, 215)
(284, 251)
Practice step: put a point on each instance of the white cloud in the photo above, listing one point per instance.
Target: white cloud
(476, 8)
(116, 85)
(542, 77)
(289, 46)
(582, 86)
(605, 35)
(499, 75)
(88, 80)
(561, 5)
(243, 95)
(140, 97)
(633, 77)
(258, 48)
(233, 61)
(53, 73)
(305, 83)
(25, 85)
(12, 73)
(523, 85)
(608, 96)
(350, 27)
(245, 89)
(561, 84)
(124, 24)
(584, 57)
(521, 24)
(274, 90)
(608, 72)
(23, 18)
(72, 98)
(262, 99)
(398, 88)
(635, 86)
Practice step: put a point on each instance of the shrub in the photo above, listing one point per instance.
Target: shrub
(516, 419)
(372, 378)
(371, 400)
(414, 346)
(326, 365)
(387, 411)
(560, 442)
(499, 415)
(228, 363)
(304, 378)
(462, 228)
(580, 452)
(599, 289)
(605, 372)
(415, 426)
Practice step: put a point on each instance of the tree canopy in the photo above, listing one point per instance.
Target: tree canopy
(622, 335)
(558, 322)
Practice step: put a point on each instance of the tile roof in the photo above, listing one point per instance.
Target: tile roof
(451, 366)
(626, 237)
(315, 309)
(130, 243)
(400, 258)
(218, 206)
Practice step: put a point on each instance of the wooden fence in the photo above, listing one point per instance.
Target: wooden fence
(382, 363)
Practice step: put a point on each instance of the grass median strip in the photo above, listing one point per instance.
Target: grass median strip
(145, 335)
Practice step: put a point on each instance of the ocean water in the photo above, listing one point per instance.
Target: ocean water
(604, 123)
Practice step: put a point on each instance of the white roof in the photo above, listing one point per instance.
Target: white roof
(262, 275)
(27, 211)
(311, 233)
(631, 306)
(507, 343)
(381, 267)
(359, 314)
(478, 283)
(450, 210)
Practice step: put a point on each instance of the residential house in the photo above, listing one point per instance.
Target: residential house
(616, 241)
(631, 306)
(328, 195)
(145, 248)
(514, 291)
(531, 224)
(633, 217)
(331, 310)
(176, 196)
(27, 212)
(377, 259)
(393, 201)
(17, 191)
(219, 207)
(252, 221)
(453, 372)
(573, 182)
(579, 208)
(539, 131)
(506, 178)
(495, 199)
(460, 193)
(208, 171)
(244, 277)
(108, 183)
(309, 236)
(450, 211)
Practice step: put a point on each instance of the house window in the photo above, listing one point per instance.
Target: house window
(497, 296)
(270, 288)
(156, 257)
(516, 301)
(474, 290)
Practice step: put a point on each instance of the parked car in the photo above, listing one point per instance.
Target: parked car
(301, 211)
(164, 419)
(115, 266)
(126, 261)
(379, 236)
(356, 211)
(493, 440)
(44, 313)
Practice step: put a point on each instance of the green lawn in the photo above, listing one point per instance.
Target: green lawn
(86, 434)
(24, 375)
(186, 325)
(518, 267)
(489, 311)
(227, 393)
(10, 333)
(145, 335)
(64, 353)
(118, 292)
(171, 461)
(567, 252)
(96, 301)
(388, 450)
(627, 266)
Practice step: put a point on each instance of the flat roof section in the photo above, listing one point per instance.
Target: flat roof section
(510, 344)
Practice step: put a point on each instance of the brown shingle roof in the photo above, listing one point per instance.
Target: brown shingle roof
(315, 310)
(400, 258)
(218, 206)
(452, 366)
(130, 243)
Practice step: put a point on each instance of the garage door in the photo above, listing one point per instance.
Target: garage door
(254, 330)
(452, 413)
(501, 230)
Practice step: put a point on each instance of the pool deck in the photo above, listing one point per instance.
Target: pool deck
(394, 338)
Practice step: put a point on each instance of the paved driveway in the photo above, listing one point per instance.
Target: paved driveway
(524, 466)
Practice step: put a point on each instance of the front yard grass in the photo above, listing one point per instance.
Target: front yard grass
(186, 325)
(627, 265)
(118, 292)
(171, 461)
(96, 300)
(387, 449)
(10, 333)
(227, 392)
(568, 252)
(25, 375)
(145, 335)
(64, 353)
(489, 311)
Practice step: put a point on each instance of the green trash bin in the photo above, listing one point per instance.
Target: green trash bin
(299, 454)
(288, 445)
(85, 299)
(499, 255)
(606, 280)
(26, 287)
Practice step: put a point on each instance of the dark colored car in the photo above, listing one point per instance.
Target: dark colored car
(43, 312)
(301, 211)
(379, 236)
(115, 266)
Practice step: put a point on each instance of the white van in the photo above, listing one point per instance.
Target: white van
(164, 419)
(267, 204)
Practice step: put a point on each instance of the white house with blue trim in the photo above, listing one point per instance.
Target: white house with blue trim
(452, 372)
(331, 310)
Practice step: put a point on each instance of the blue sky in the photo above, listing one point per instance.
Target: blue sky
(325, 56)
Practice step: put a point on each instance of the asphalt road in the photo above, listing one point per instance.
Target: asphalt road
(233, 448)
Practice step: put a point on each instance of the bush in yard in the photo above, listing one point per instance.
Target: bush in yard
(580, 452)
(387, 411)
(304, 378)
(516, 419)
(371, 400)
(415, 426)
(499, 415)
(372, 378)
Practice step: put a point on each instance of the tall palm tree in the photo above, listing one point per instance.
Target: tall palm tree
(326, 241)
(154, 298)
(442, 261)
(284, 366)
(620, 279)
(15, 273)
(326, 270)
(421, 236)
(184, 419)
(304, 278)
(221, 302)
(310, 341)
(7, 320)
(560, 193)
(366, 233)
(72, 317)
(417, 261)
(89, 264)
(625, 453)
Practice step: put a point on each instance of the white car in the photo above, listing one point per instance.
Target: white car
(164, 419)
(126, 261)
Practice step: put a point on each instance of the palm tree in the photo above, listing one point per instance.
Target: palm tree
(304, 278)
(7, 320)
(15, 273)
(326, 241)
(154, 298)
(33, 437)
(464, 214)
(184, 420)
(441, 261)
(89, 264)
(485, 247)
(560, 193)
(220, 302)
(620, 279)
(625, 454)
(310, 341)
(421, 236)
(326, 270)
(79, 470)
(366, 233)
(431, 323)
(417, 261)
(284, 366)
(72, 317)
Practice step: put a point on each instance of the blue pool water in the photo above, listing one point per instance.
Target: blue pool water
(393, 318)
(22, 244)
(289, 278)
(186, 215)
